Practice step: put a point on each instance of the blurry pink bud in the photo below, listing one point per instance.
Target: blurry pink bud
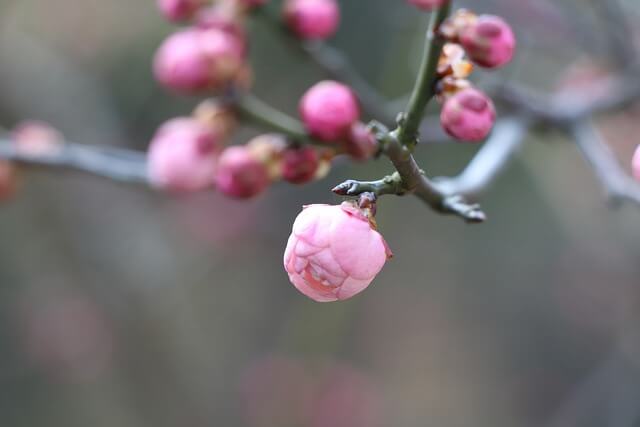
(489, 41)
(37, 138)
(468, 115)
(427, 4)
(224, 16)
(179, 10)
(635, 164)
(333, 252)
(361, 144)
(328, 109)
(183, 156)
(240, 174)
(300, 165)
(196, 60)
(312, 19)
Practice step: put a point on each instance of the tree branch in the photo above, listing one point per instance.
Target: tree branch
(107, 162)
(620, 187)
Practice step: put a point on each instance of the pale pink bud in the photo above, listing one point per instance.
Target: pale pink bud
(635, 164)
(328, 109)
(179, 10)
(300, 165)
(197, 60)
(361, 144)
(37, 138)
(312, 19)
(468, 115)
(427, 4)
(183, 156)
(224, 16)
(333, 252)
(489, 41)
(240, 174)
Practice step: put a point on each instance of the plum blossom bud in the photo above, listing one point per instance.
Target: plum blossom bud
(468, 115)
(37, 138)
(361, 144)
(300, 165)
(197, 60)
(183, 156)
(179, 10)
(225, 16)
(328, 109)
(269, 150)
(8, 180)
(427, 4)
(334, 252)
(240, 174)
(489, 41)
(312, 19)
(218, 116)
(635, 164)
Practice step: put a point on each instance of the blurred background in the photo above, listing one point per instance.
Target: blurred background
(122, 307)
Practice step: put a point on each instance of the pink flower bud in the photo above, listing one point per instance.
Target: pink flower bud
(468, 115)
(328, 109)
(427, 4)
(312, 19)
(224, 16)
(196, 60)
(240, 174)
(183, 156)
(333, 252)
(489, 41)
(300, 165)
(361, 144)
(37, 138)
(635, 164)
(179, 10)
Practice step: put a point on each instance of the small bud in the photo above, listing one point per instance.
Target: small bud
(269, 149)
(328, 109)
(8, 180)
(225, 16)
(489, 41)
(179, 10)
(183, 156)
(635, 164)
(197, 60)
(334, 252)
(361, 144)
(452, 62)
(218, 116)
(300, 165)
(468, 115)
(312, 19)
(240, 174)
(35, 138)
(427, 4)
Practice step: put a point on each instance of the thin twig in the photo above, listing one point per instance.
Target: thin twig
(620, 187)
(112, 163)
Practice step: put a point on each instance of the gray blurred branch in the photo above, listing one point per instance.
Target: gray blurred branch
(109, 162)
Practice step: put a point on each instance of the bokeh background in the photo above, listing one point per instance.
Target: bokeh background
(123, 307)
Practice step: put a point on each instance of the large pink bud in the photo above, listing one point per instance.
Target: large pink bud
(312, 19)
(489, 41)
(179, 10)
(635, 164)
(333, 252)
(468, 115)
(427, 4)
(196, 60)
(241, 174)
(183, 156)
(328, 109)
